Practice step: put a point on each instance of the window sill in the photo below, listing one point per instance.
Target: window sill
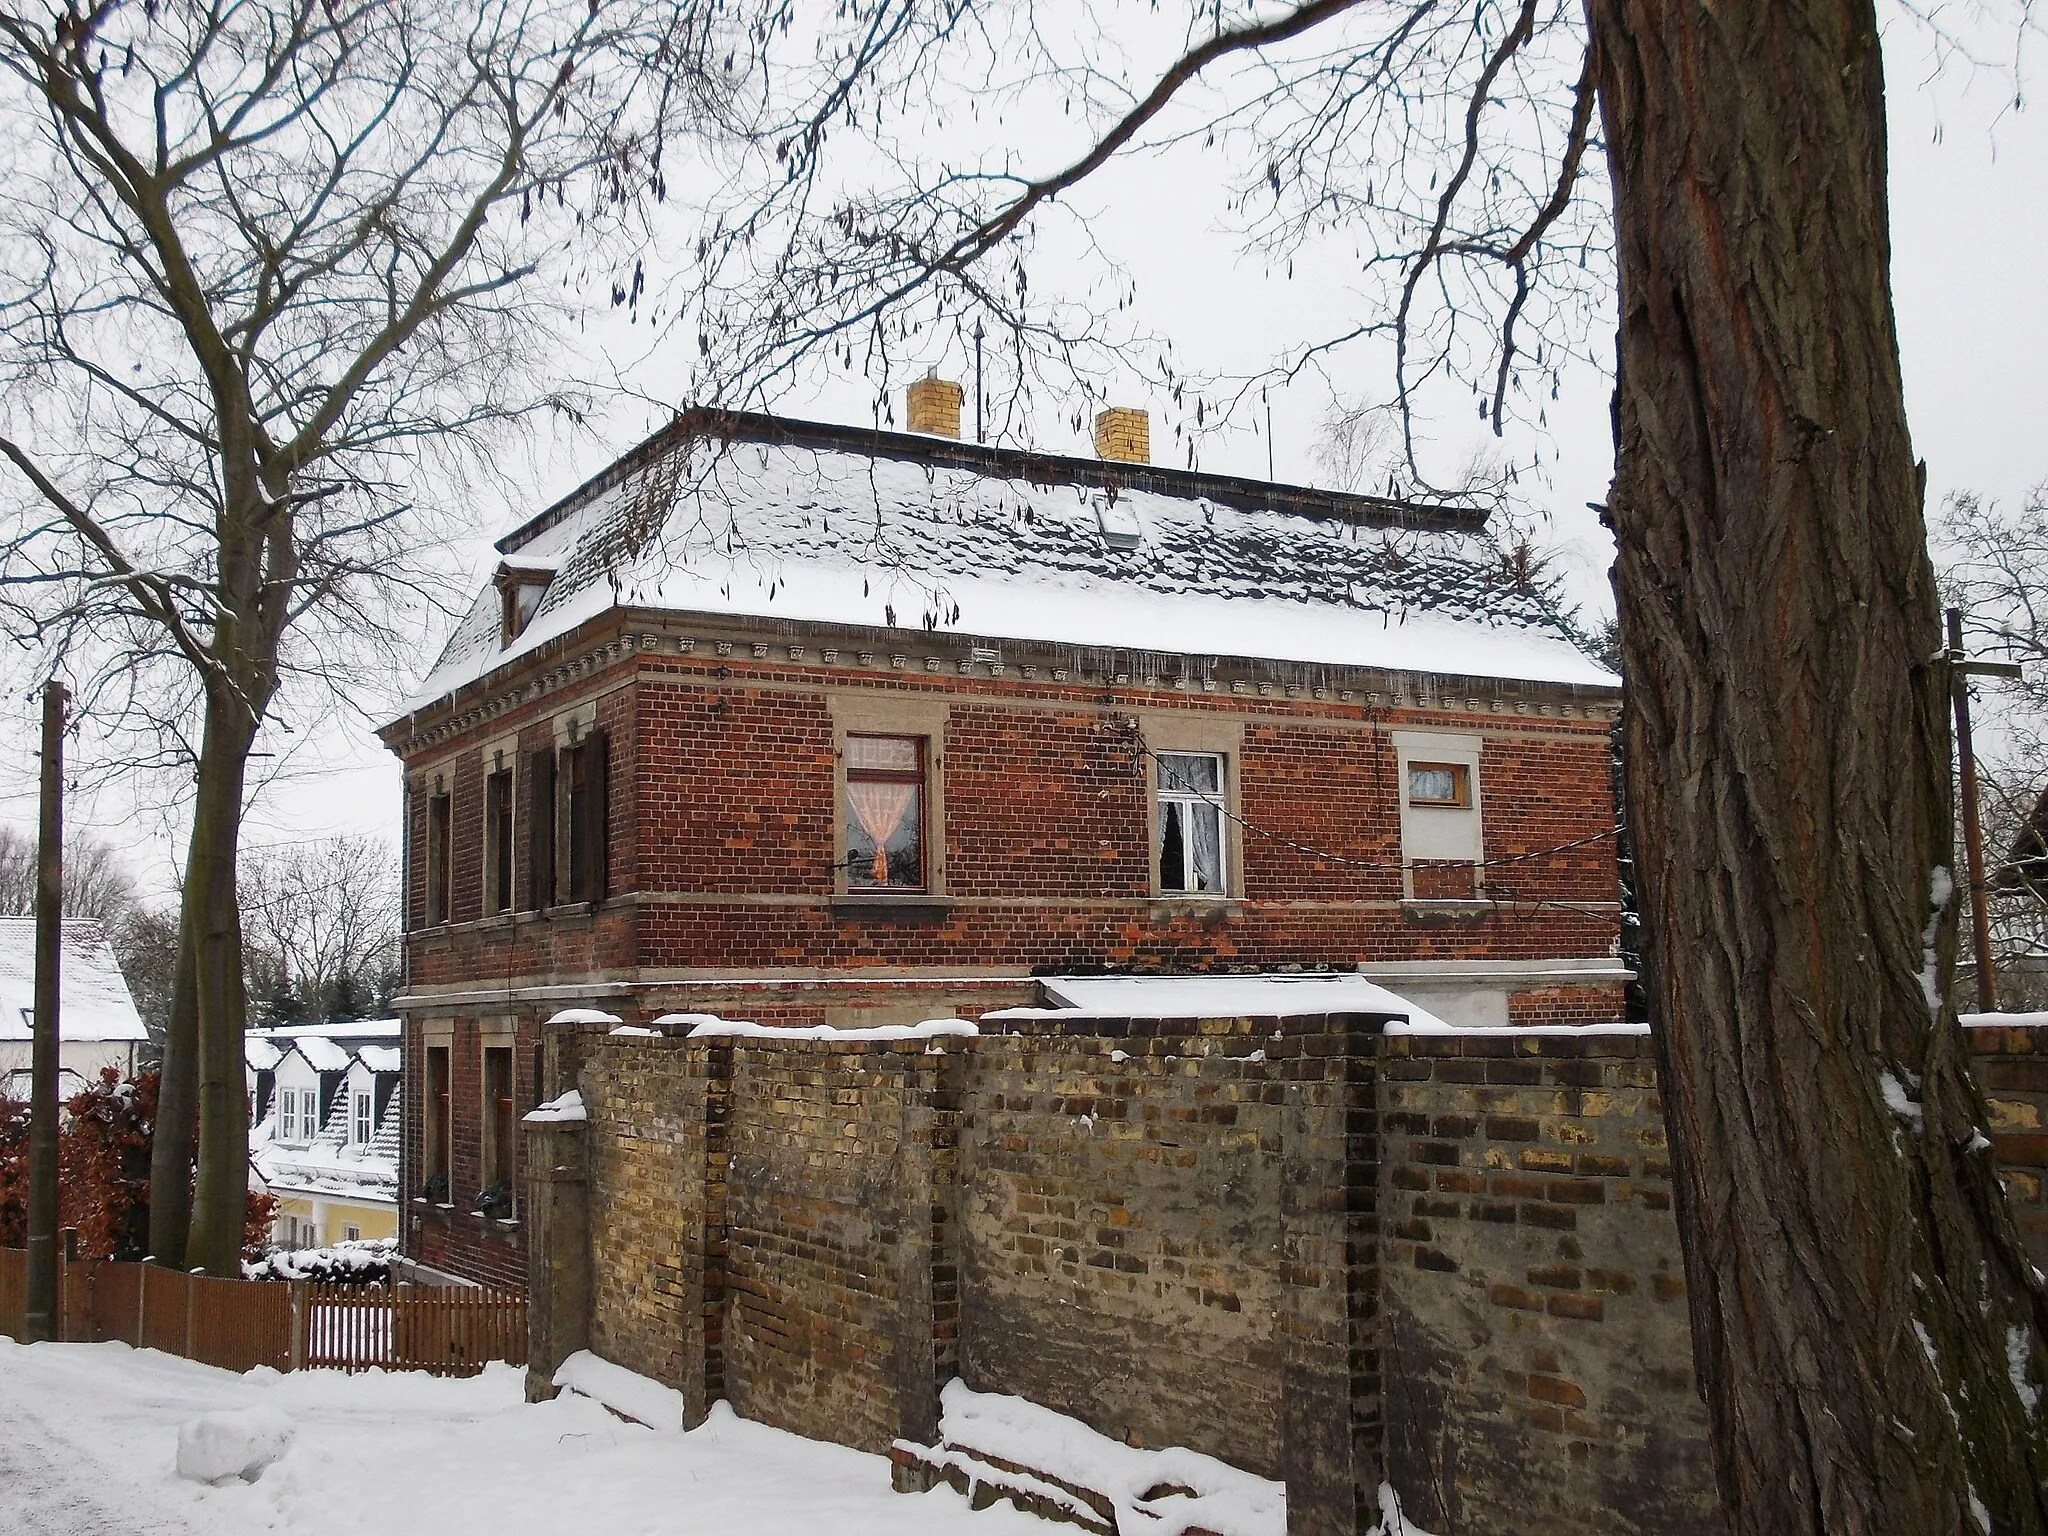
(904, 908)
(1447, 906)
(1203, 904)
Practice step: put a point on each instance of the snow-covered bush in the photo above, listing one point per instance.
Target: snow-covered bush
(363, 1262)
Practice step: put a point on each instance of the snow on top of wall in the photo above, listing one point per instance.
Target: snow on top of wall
(1564, 1031)
(93, 1000)
(2005, 1020)
(1227, 1499)
(564, 1110)
(584, 1016)
(703, 1026)
(885, 538)
(1217, 997)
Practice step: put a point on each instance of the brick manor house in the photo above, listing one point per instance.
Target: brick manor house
(812, 724)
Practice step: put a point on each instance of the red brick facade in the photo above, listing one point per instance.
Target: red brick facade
(724, 886)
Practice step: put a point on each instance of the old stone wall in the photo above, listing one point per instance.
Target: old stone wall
(1318, 1252)
(1537, 1352)
(1158, 1236)
(839, 1238)
(656, 1155)
(2011, 1062)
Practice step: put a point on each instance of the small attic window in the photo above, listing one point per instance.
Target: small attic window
(1118, 520)
(520, 591)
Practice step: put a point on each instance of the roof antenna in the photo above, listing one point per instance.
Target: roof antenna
(979, 436)
(1270, 475)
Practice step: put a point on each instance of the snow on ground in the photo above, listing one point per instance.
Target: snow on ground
(91, 1439)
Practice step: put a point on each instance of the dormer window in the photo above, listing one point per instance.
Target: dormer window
(520, 589)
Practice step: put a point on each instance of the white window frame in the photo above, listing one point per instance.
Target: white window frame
(1438, 830)
(362, 1122)
(1219, 802)
(288, 1116)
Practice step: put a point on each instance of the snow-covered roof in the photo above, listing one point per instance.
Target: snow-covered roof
(93, 999)
(751, 516)
(349, 1029)
(1216, 997)
(327, 1160)
(322, 1055)
(379, 1058)
(261, 1054)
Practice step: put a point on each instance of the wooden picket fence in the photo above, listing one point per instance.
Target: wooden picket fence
(240, 1324)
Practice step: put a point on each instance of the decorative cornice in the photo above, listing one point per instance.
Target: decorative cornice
(841, 649)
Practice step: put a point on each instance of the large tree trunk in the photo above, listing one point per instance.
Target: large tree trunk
(177, 1112)
(1857, 1281)
(211, 932)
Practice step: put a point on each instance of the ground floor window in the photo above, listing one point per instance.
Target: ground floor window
(1191, 822)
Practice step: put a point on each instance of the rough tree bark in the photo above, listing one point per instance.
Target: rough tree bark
(213, 933)
(177, 1118)
(1865, 1322)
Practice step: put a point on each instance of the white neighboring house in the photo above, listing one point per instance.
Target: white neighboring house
(97, 1024)
(324, 1118)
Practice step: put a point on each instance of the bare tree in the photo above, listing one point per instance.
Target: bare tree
(1996, 571)
(1870, 1336)
(264, 257)
(320, 927)
(97, 883)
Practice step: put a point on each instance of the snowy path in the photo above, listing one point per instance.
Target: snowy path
(88, 1437)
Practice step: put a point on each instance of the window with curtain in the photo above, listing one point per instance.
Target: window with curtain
(1191, 822)
(885, 812)
(1445, 784)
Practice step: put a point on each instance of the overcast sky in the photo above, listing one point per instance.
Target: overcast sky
(1970, 226)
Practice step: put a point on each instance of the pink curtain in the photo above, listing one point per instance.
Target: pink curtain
(880, 809)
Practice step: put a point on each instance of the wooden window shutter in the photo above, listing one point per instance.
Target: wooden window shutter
(540, 829)
(595, 833)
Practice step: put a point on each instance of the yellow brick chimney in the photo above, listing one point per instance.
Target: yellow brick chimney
(933, 406)
(1123, 433)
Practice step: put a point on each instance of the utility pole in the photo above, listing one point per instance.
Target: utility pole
(40, 1321)
(1961, 670)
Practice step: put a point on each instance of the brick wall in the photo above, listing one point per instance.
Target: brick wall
(450, 1236)
(723, 785)
(1126, 1191)
(654, 1171)
(1299, 1246)
(1538, 1354)
(839, 1240)
(2012, 1065)
(1161, 1232)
